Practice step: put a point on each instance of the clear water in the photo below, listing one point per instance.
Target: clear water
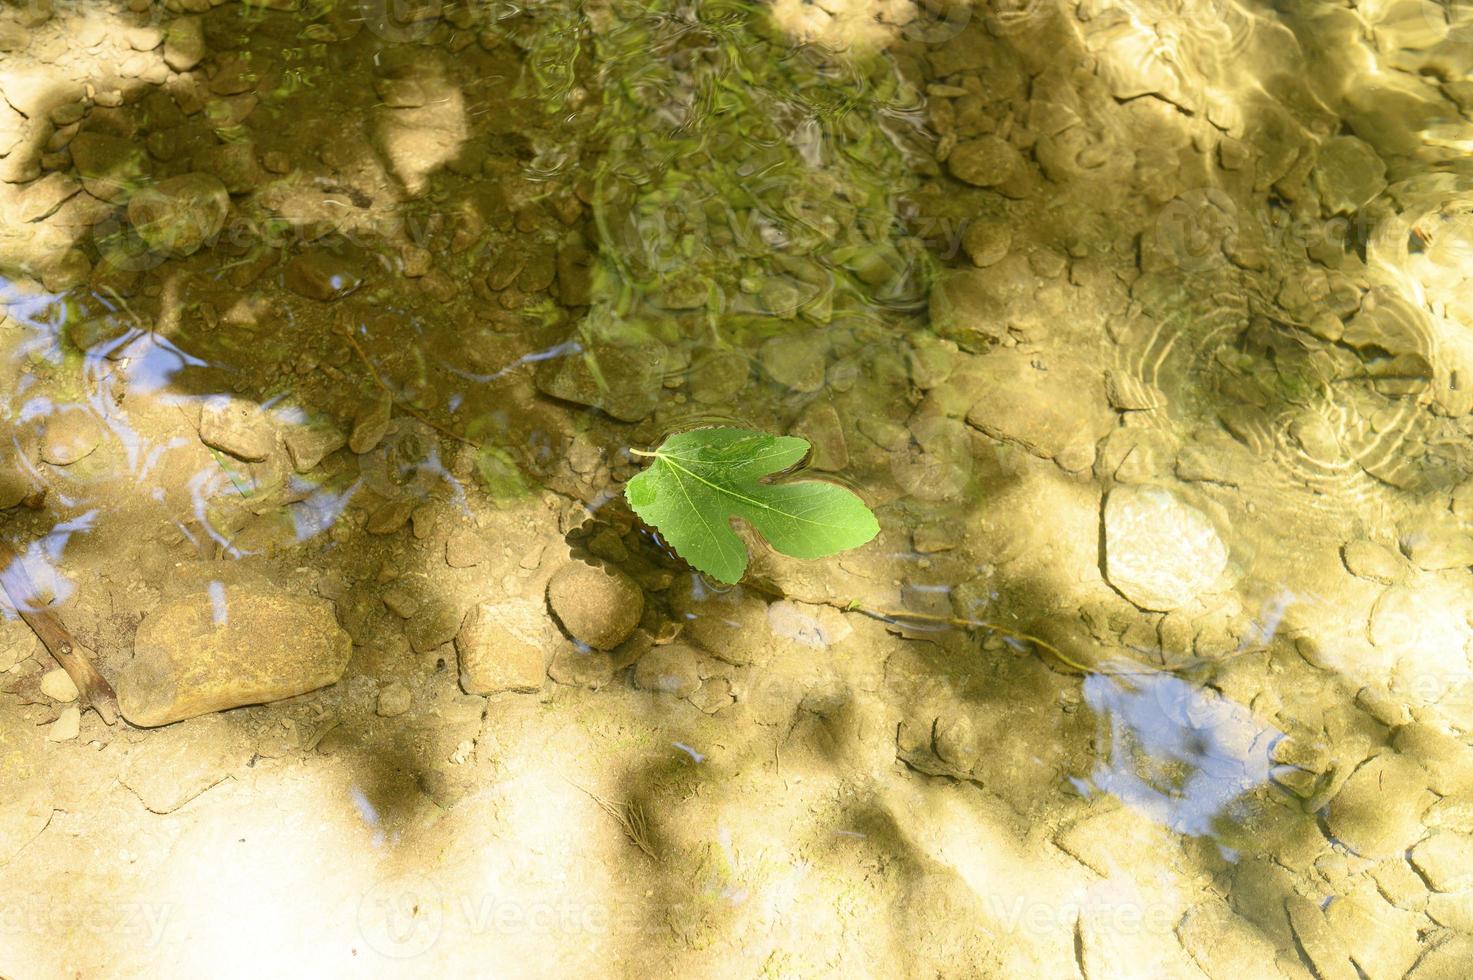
(1143, 328)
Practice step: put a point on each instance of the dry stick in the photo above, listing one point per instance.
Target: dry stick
(406, 409)
(94, 688)
(629, 815)
(960, 623)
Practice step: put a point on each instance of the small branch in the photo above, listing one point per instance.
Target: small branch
(22, 592)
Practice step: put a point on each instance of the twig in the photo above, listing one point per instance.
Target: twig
(23, 595)
(888, 616)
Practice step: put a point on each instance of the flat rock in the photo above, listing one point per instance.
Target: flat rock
(1377, 813)
(985, 162)
(67, 726)
(238, 427)
(72, 433)
(1348, 175)
(1160, 553)
(597, 606)
(1445, 861)
(180, 215)
(321, 275)
(1437, 546)
(1059, 413)
(501, 646)
(41, 197)
(1448, 960)
(309, 444)
(581, 668)
(628, 383)
(226, 647)
(172, 767)
(1373, 562)
(58, 686)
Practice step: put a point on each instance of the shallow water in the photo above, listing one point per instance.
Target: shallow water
(1143, 330)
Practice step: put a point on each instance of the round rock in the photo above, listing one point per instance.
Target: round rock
(179, 215)
(599, 607)
(1160, 553)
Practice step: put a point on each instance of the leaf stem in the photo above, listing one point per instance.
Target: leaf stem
(641, 452)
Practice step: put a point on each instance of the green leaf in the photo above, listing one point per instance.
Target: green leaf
(700, 480)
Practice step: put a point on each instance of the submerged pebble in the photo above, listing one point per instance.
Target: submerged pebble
(597, 606)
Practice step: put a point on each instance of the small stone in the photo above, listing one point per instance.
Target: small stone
(985, 162)
(238, 74)
(110, 168)
(58, 686)
(72, 433)
(597, 606)
(955, 741)
(389, 517)
(714, 694)
(370, 425)
(1438, 546)
(672, 669)
(393, 700)
(237, 427)
(1160, 553)
(308, 445)
(500, 647)
(143, 38)
(184, 43)
(401, 602)
(820, 425)
(581, 668)
(718, 376)
(1445, 860)
(987, 242)
(228, 647)
(321, 275)
(67, 725)
(1377, 812)
(632, 378)
(180, 215)
(1373, 562)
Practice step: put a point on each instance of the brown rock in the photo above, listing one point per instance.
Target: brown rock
(599, 607)
(228, 647)
(501, 647)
